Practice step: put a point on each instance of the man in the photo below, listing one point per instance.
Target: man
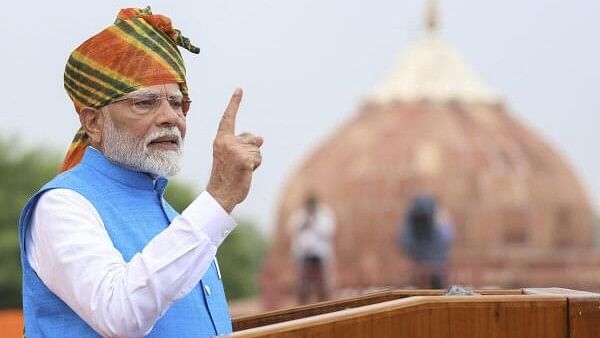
(426, 238)
(102, 252)
(313, 227)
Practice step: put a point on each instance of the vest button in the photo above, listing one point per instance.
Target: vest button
(207, 289)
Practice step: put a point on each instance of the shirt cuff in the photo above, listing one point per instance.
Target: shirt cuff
(207, 214)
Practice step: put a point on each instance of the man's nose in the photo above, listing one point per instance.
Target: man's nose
(166, 114)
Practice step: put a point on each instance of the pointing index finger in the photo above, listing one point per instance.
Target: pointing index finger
(227, 124)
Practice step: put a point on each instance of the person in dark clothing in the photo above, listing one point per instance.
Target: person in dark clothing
(426, 240)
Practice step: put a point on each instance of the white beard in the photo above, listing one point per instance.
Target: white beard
(134, 153)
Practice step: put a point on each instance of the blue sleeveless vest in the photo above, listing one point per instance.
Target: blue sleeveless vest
(133, 210)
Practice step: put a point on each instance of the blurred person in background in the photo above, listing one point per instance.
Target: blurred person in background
(313, 228)
(425, 236)
(102, 252)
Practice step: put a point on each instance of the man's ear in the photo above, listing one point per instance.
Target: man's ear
(92, 120)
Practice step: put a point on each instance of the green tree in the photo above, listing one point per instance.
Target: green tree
(240, 257)
(22, 173)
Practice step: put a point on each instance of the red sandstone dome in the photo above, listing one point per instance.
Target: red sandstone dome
(520, 214)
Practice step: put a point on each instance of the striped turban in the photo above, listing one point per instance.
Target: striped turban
(138, 50)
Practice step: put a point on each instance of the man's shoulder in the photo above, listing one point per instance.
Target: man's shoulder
(65, 183)
(72, 182)
(63, 180)
(64, 187)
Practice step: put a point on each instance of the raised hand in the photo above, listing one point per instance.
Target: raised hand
(234, 159)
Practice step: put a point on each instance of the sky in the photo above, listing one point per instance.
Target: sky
(306, 65)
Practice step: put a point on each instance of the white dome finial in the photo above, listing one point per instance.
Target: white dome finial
(432, 18)
(431, 69)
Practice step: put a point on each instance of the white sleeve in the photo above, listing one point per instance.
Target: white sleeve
(70, 250)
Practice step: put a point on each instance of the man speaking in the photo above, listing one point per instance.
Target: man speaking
(102, 252)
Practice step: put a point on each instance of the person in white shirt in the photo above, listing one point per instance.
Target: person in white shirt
(313, 229)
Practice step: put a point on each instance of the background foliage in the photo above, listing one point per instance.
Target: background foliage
(23, 171)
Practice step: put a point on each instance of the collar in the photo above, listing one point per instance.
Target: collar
(96, 160)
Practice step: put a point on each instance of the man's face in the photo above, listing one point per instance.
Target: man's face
(144, 138)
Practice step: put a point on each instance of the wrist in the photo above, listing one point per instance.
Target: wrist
(226, 203)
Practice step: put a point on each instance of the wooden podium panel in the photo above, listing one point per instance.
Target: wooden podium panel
(527, 313)
(583, 310)
(273, 317)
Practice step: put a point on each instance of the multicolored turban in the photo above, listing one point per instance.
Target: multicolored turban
(138, 50)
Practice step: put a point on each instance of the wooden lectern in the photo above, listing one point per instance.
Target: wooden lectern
(524, 313)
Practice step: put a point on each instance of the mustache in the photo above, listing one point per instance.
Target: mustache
(170, 132)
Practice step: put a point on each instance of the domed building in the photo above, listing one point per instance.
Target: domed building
(520, 215)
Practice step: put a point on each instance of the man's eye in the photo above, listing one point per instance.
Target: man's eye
(176, 104)
(144, 103)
